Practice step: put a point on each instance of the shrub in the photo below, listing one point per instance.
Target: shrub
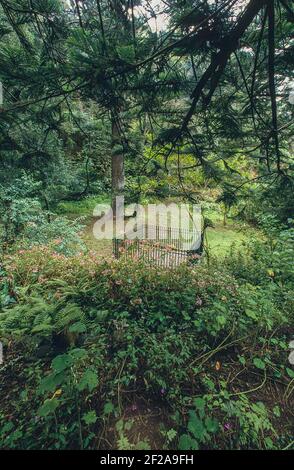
(24, 224)
(88, 337)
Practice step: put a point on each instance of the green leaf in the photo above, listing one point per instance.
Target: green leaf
(42, 328)
(211, 425)
(251, 314)
(7, 427)
(142, 445)
(77, 327)
(108, 408)
(126, 53)
(199, 403)
(51, 382)
(119, 426)
(269, 443)
(48, 407)
(88, 380)
(195, 426)
(123, 443)
(259, 363)
(242, 360)
(78, 353)
(221, 319)
(171, 434)
(290, 372)
(210, 384)
(187, 443)
(62, 362)
(90, 417)
(128, 425)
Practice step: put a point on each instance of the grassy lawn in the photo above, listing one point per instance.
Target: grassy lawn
(220, 238)
(81, 208)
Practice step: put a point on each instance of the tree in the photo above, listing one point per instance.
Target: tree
(211, 83)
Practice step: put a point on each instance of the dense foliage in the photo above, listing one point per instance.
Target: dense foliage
(175, 100)
(91, 344)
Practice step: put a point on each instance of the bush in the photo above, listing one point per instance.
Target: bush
(23, 223)
(88, 337)
(60, 233)
(18, 206)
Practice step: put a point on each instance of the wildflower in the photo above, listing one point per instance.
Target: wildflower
(228, 426)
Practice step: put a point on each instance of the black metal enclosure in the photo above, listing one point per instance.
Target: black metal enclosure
(162, 246)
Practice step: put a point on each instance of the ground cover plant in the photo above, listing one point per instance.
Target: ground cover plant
(94, 347)
(162, 102)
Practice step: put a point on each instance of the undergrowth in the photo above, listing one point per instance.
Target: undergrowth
(109, 354)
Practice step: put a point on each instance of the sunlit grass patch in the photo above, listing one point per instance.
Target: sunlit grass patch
(82, 207)
(220, 239)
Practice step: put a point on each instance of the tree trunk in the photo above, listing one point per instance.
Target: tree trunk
(117, 163)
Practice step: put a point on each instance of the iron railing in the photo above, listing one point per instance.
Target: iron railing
(162, 246)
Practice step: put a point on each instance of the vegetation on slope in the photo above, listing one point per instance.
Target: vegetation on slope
(198, 354)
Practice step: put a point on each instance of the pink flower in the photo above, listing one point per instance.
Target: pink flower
(228, 426)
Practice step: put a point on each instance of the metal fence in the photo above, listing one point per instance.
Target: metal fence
(162, 246)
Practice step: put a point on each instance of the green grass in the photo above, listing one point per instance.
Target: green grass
(83, 207)
(221, 238)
